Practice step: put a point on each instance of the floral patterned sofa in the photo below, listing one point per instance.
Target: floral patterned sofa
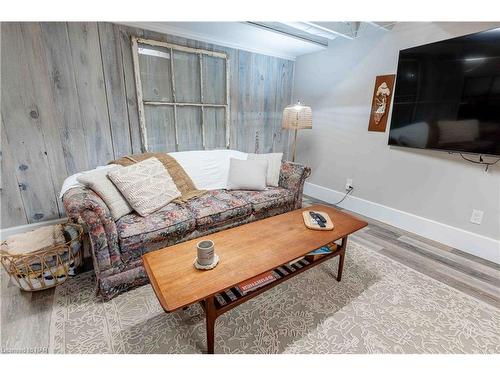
(117, 247)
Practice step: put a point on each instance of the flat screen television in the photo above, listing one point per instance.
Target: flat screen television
(447, 95)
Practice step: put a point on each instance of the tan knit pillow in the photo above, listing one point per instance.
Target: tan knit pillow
(147, 186)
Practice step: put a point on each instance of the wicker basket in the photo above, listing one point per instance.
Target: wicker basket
(47, 267)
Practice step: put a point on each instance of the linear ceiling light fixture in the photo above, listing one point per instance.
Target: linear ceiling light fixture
(312, 28)
(290, 31)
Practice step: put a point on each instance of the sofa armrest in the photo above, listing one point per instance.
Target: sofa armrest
(87, 208)
(292, 177)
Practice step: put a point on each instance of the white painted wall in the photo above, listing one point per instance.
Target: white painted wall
(338, 84)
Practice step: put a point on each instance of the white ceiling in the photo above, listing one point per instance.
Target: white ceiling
(287, 40)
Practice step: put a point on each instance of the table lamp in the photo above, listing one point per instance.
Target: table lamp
(296, 116)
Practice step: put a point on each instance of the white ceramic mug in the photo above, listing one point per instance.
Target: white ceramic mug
(205, 252)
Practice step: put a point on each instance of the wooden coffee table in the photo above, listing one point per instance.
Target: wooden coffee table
(245, 252)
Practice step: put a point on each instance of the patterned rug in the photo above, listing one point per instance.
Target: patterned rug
(380, 306)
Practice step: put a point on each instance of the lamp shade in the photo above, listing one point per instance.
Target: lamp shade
(297, 116)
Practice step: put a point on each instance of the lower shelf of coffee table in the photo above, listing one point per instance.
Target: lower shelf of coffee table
(232, 297)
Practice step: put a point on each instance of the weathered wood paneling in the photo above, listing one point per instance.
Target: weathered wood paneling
(47, 112)
(214, 90)
(156, 76)
(269, 104)
(69, 104)
(65, 95)
(111, 55)
(186, 65)
(12, 205)
(22, 125)
(128, 74)
(189, 128)
(213, 119)
(84, 38)
(158, 135)
(284, 77)
(249, 103)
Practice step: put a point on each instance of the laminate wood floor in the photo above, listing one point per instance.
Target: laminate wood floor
(25, 317)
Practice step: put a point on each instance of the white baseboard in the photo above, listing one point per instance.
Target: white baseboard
(4, 233)
(472, 243)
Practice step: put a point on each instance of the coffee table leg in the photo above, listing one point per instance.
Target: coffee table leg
(341, 258)
(210, 323)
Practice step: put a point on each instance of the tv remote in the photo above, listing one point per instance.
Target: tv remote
(320, 217)
(318, 221)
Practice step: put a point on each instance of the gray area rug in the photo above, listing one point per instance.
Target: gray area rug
(380, 306)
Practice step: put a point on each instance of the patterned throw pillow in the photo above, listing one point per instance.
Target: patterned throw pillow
(147, 185)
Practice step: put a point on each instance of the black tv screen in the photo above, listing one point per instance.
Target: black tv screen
(447, 95)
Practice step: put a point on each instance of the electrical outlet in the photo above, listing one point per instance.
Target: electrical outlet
(348, 184)
(477, 216)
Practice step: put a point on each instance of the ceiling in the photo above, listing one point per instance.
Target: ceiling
(281, 39)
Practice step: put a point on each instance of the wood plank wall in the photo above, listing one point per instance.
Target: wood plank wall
(69, 104)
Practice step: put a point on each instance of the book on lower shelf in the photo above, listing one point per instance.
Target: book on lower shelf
(295, 260)
(257, 282)
(221, 301)
(322, 251)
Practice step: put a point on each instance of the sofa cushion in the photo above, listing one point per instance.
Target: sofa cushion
(168, 225)
(218, 207)
(265, 200)
(170, 218)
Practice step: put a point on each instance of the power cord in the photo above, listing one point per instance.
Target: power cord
(481, 161)
(345, 196)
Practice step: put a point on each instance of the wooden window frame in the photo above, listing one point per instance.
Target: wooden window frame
(141, 102)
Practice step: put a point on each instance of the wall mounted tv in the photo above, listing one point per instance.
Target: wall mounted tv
(447, 95)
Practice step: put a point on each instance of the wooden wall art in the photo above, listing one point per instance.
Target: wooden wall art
(381, 102)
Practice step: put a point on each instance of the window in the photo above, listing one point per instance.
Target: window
(182, 95)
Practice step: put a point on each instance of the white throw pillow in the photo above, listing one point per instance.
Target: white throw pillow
(99, 182)
(247, 174)
(208, 169)
(146, 185)
(72, 181)
(273, 166)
